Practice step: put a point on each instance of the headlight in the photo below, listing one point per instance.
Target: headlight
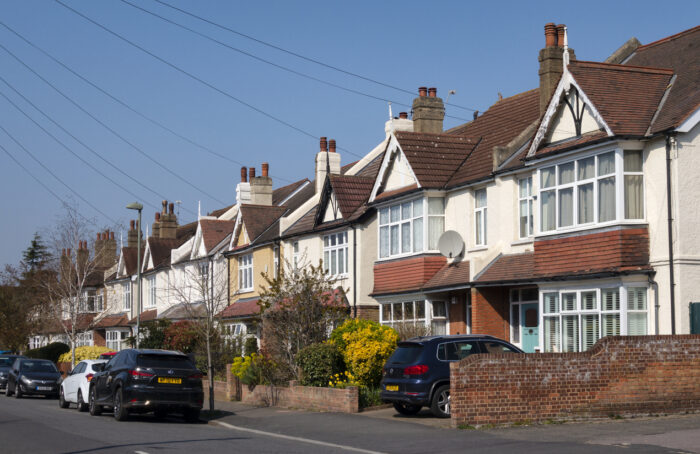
(25, 380)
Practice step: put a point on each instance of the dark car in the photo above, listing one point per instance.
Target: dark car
(418, 373)
(142, 381)
(33, 376)
(6, 362)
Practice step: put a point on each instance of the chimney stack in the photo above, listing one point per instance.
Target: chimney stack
(243, 188)
(244, 174)
(109, 250)
(428, 111)
(168, 221)
(133, 235)
(82, 256)
(326, 159)
(156, 226)
(261, 187)
(265, 169)
(251, 173)
(551, 62)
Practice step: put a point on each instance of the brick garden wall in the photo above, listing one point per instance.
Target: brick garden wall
(627, 375)
(304, 397)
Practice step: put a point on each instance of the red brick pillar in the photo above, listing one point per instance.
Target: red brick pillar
(490, 307)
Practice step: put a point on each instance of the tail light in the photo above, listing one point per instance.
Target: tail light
(89, 377)
(196, 376)
(416, 370)
(139, 375)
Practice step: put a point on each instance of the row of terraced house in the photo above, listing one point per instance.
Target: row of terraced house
(571, 213)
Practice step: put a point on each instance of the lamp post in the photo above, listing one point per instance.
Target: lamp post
(137, 206)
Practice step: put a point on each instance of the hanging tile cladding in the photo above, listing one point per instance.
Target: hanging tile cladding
(146, 316)
(616, 250)
(214, 231)
(405, 275)
(682, 53)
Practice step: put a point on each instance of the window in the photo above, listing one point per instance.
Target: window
(525, 207)
(409, 312)
(439, 319)
(296, 255)
(232, 331)
(126, 296)
(84, 339)
(276, 261)
(480, 220)
(402, 226)
(151, 301)
(574, 320)
(586, 191)
(245, 272)
(203, 269)
(116, 338)
(335, 254)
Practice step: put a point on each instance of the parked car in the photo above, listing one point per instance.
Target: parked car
(75, 388)
(6, 362)
(107, 355)
(142, 381)
(418, 373)
(33, 376)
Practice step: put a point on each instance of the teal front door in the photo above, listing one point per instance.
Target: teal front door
(529, 319)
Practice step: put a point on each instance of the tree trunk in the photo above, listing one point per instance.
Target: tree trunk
(210, 366)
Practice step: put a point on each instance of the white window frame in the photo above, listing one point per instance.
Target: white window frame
(335, 245)
(152, 291)
(391, 308)
(126, 296)
(480, 218)
(245, 273)
(276, 261)
(295, 255)
(84, 339)
(115, 338)
(407, 222)
(528, 200)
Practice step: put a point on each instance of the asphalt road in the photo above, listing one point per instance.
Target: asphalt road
(37, 425)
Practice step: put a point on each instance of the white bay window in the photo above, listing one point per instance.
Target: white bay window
(402, 226)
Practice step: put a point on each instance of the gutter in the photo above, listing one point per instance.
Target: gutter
(670, 139)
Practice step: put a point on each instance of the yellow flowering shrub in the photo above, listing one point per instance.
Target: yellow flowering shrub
(342, 380)
(82, 353)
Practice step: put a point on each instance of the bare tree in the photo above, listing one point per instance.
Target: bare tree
(202, 290)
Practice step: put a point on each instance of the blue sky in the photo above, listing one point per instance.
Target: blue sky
(477, 49)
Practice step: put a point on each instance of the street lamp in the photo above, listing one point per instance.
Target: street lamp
(138, 207)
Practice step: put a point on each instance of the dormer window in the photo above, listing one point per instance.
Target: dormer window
(335, 254)
(402, 226)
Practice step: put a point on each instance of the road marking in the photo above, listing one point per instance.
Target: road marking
(140, 452)
(300, 439)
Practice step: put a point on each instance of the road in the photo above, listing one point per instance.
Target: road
(37, 425)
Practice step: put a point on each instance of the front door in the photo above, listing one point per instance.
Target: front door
(528, 326)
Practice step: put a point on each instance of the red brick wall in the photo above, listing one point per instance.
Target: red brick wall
(490, 307)
(596, 252)
(98, 338)
(304, 397)
(406, 274)
(627, 375)
(368, 313)
(458, 323)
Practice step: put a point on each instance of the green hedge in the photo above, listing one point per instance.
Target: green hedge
(318, 362)
(51, 352)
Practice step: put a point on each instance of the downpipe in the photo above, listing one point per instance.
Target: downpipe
(670, 140)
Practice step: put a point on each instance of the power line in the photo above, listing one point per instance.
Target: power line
(69, 99)
(129, 107)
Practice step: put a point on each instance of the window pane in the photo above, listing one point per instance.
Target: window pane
(610, 299)
(525, 187)
(551, 303)
(384, 242)
(418, 235)
(585, 203)
(570, 333)
(566, 207)
(528, 294)
(438, 327)
(406, 237)
(420, 310)
(394, 239)
(637, 323)
(551, 334)
(436, 205)
(384, 216)
(547, 177)
(606, 163)
(637, 298)
(326, 262)
(386, 312)
(341, 261)
(586, 168)
(480, 196)
(408, 310)
(395, 213)
(633, 161)
(588, 301)
(634, 193)
(439, 309)
(548, 211)
(531, 223)
(524, 219)
(333, 238)
(568, 301)
(418, 208)
(334, 269)
(515, 322)
(406, 211)
(486, 226)
(436, 227)
(590, 330)
(398, 313)
(477, 228)
(566, 173)
(606, 199)
(611, 325)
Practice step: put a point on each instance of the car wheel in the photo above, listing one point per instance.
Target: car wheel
(18, 392)
(192, 414)
(82, 406)
(441, 402)
(120, 412)
(8, 393)
(95, 409)
(62, 402)
(406, 409)
(160, 413)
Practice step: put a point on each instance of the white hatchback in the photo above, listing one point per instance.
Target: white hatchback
(75, 387)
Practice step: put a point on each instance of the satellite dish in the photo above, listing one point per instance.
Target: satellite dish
(450, 244)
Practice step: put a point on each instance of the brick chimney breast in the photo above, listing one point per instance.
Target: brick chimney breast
(428, 112)
(551, 63)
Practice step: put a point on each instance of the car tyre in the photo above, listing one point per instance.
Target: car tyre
(406, 409)
(440, 405)
(120, 412)
(18, 392)
(160, 413)
(62, 402)
(82, 406)
(192, 415)
(8, 393)
(95, 409)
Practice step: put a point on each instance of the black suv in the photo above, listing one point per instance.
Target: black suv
(418, 373)
(141, 381)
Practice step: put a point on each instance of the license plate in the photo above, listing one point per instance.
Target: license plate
(392, 387)
(44, 388)
(172, 381)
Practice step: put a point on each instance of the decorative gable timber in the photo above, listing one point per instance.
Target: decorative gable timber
(402, 173)
(343, 198)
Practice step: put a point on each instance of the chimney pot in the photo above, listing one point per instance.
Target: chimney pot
(68, 252)
(165, 205)
(111, 235)
(560, 35)
(171, 208)
(331, 146)
(265, 169)
(157, 216)
(251, 173)
(550, 34)
(324, 144)
(244, 174)
(432, 92)
(99, 236)
(132, 224)
(422, 91)
(403, 115)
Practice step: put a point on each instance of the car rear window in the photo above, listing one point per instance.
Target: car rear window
(169, 361)
(406, 354)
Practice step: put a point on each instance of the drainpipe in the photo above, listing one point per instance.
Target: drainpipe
(655, 285)
(672, 283)
(354, 272)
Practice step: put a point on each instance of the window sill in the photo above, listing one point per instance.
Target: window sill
(592, 227)
(478, 249)
(522, 241)
(409, 254)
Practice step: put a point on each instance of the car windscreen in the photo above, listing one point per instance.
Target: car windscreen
(166, 361)
(406, 353)
(6, 362)
(38, 366)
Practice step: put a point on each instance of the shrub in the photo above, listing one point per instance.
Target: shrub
(366, 345)
(51, 351)
(82, 353)
(181, 336)
(369, 397)
(240, 368)
(154, 331)
(342, 380)
(318, 362)
(250, 346)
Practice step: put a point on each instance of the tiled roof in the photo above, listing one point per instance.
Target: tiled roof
(372, 168)
(451, 274)
(405, 275)
(681, 53)
(498, 126)
(303, 224)
(565, 145)
(146, 316)
(160, 249)
(351, 192)
(183, 311)
(244, 308)
(434, 158)
(220, 211)
(130, 257)
(186, 231)
(279, 194)
(258, 218)
(214, 231)
(113, 320)
(507, 268)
